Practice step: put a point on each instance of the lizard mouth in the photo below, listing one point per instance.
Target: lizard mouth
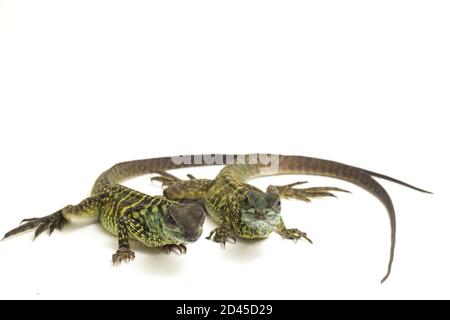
(192, 237)
(183, 237)
(261, 224)
(265, 220)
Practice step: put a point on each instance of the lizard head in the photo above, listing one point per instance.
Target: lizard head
(260, 211)
(183, 222)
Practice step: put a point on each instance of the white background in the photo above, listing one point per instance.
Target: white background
(86, 84)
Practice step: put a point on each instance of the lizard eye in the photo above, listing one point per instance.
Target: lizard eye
(171, 221)
(277, 205)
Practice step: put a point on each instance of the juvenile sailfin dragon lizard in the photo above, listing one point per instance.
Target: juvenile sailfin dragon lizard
(247, 212)
(154, 221)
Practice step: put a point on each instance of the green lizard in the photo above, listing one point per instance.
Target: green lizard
(154, 221)
(236, 206)
(245, 211)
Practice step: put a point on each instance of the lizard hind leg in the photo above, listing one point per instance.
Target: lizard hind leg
(50, 222)
(165, 178)
(306, 194)
(57, 220)
(181, 190)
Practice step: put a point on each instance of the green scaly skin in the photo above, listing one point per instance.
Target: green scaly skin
(248, 212)
(154, 221)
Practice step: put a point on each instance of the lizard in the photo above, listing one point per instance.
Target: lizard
(154, 221)
(243, 210)
(239, 207)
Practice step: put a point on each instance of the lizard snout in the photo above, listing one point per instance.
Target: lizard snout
(260, 215)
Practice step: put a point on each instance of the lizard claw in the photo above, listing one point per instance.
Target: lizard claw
(221, 235)
(165, 178)
(122, 254)
(29, 220)
(179, 249)
(294, 234)
(289, 192)
(50, 222)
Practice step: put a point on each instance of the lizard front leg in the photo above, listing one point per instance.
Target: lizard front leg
(306, 194)
(177, 248)
(124, 253)
(292, 233)
(222, 235)
(129, 227)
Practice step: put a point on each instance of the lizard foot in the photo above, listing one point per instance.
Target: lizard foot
(289, 192)
(165, 178)
(50, 222)
(168, 179)
(122, 254)
(221, 235)
(179, 249)
(294, 234)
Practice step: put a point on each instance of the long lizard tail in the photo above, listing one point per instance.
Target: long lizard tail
(382, 176)
(130, 169)
(360, 177)
(312, 166)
